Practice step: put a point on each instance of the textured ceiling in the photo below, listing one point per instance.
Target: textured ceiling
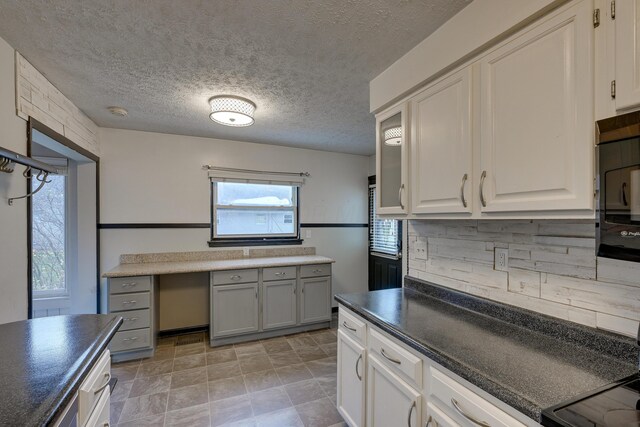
(306, 64)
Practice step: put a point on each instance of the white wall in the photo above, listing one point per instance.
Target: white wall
(158, 178)
(13, 219)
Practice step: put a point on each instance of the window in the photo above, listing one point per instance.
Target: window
(247, 213)
(48, 241)
(384, 236)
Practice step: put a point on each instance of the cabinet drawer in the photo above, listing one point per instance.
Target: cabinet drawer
(135, 319)
(129, 340)
(101, 414)
(315, 270)
(278, 273)
(394, 356)
(119, 285)
(352, 326)
(96, 382)
(464, 405)
(230, 277)
(125, 302)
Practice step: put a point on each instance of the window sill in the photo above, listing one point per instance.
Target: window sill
(218, 243)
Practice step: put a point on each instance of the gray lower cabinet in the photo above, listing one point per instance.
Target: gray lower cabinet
(234, 309)
(279, 305)
(315, 299)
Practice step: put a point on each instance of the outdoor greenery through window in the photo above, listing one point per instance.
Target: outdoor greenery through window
(243, 210)
(383, 233)
(48, 237)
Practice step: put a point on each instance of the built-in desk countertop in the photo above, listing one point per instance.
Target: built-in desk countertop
(175, 267)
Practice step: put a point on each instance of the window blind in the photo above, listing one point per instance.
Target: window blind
(383, 233)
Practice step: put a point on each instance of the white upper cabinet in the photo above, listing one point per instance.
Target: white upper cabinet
(441, 147)
(627, 63)
(536, 117)
(392, 195)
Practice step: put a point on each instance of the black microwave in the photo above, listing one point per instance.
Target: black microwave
(618, 183)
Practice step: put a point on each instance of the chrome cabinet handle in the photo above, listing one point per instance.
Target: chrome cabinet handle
(130, 319)
(358, 363)
(413, 405)
(430, 420)
(482, 200)
(464, 181)
(344, 323)
(102, 387)
(317, 271)
(400, 196)
(129, 285)
(235, 277)
(130, 339)
(474, 420)
(390, 359)
(281, 274)
(129, 302)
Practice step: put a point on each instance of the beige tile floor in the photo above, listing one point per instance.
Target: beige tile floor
(281, 382)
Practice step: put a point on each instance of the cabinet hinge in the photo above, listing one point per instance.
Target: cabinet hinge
(613, 9)
(613, 89)
(596, 18)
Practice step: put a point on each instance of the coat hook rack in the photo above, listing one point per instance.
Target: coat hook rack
(8, 160)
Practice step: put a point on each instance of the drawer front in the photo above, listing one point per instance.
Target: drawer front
(96, 382)
(135, 319)
(126, 302)
(278, 273)
(315, 270)
(119, 285)
(352, 326)
(131, 340)
(464, 405)
(229, 277)
(101, 414)
(396, 357)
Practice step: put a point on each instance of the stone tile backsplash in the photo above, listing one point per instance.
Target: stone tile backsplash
(552, 268)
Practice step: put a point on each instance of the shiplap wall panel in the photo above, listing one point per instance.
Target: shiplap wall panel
(552, 268)
(36, 97)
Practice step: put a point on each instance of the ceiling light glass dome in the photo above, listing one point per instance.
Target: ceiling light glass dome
(231, 110)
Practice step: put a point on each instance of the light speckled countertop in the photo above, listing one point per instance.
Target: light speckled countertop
(174, 267)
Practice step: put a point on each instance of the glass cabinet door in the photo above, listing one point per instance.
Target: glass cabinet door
(390, 158)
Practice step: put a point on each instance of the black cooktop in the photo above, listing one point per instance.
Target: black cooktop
(617, 406)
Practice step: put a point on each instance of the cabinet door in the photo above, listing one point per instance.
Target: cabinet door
(441, 149)
(234, 309)
(279, 306)
(315, 296)
(627, 24)
(537, 128)
(351, 380)
(391, 160)
(390, 401)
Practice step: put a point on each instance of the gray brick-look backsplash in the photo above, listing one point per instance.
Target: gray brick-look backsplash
(552, 268)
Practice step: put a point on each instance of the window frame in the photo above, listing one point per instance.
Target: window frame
(374, 217)
(258, 239)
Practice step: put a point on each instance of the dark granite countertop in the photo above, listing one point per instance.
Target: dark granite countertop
(44, 361)
(527, 360)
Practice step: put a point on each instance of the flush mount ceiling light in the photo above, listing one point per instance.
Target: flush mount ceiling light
(118, 111)
(393, 136)
(231, 110)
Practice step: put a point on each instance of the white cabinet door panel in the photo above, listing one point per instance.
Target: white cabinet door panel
(351, 380)
(390, 401)
(441, 147)
(627, 24)
(537, 118)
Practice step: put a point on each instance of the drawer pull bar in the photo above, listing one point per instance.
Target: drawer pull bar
(129, 302)
(431, 420)
(130, 319)
(390, 359)
(235, 277)
(107, 375)
(357, 363)
(316, 271)
(281, 274)
(474, 420)
(344, 323)
(129, 285)
(130, 339)
(413, 405)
